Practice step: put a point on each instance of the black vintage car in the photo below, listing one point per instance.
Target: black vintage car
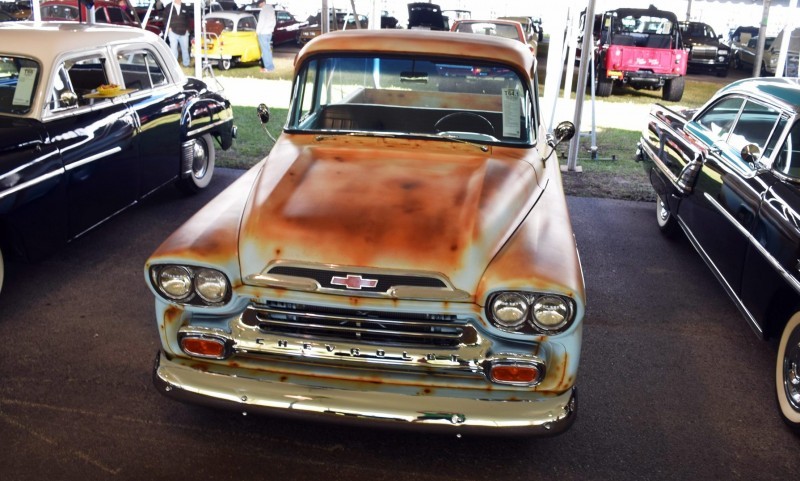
(706, 50)
(92, 119)
(728, 176)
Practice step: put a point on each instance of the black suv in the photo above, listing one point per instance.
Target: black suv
(706, 51)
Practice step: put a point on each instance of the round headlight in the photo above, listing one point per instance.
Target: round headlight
(211, 285)
(550, 312)
(510, 309)
(175, 282)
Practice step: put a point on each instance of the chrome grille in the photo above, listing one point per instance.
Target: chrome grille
(368, 327)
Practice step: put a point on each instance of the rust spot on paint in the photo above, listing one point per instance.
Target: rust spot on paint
(427, 391)
(234, 364)
(172, 315)
(278, 252)
(283, 379)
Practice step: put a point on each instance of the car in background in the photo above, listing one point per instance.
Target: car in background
(230, 39)
(739, 37)
(533, 34)
(116, 12)
(745, 56)
(343, 21)
(426, 16)
(728, 176)
(706, 51)
(18, 10)
(403, 256)
(498, 28)
(772, 53)
(638, 47)
(93, 118)
(287, 26)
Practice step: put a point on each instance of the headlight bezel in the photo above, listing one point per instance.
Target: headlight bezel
(194, 297)
(531, 325)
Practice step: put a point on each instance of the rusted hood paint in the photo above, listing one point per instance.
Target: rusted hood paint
(444, 208)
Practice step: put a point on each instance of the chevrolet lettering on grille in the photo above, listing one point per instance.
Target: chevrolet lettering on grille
(353, 282)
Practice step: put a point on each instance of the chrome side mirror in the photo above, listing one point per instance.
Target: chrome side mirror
(263, 113)
(563, 131)
(68, 98)
(751, 153)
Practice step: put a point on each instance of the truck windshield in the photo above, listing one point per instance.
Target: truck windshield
(407, 96)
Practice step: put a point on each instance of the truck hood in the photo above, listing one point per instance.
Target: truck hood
(427, 211)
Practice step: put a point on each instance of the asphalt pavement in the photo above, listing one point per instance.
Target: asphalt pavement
(673, 384)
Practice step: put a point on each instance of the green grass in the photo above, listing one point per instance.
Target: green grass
(614, 173)
(252, 143)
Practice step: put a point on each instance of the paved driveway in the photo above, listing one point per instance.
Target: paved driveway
(673, 384)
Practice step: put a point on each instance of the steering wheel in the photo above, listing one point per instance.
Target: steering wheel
(464, 122)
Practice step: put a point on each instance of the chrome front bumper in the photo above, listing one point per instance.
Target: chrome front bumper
(545, 415)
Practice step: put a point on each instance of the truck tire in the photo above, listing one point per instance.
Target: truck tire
(787, 374)
(673, 89)
(603, 85)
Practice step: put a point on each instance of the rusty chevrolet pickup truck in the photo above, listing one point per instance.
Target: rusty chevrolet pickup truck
(404, 255)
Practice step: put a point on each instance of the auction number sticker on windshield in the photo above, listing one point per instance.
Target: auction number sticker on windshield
(512, 111)
(25, 81)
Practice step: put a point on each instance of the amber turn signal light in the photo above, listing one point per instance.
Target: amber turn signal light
(204, 347)
(517, 374)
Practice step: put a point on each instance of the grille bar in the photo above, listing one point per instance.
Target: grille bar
(380, 328)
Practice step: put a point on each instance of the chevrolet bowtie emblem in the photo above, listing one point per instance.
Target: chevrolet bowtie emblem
(353, 282)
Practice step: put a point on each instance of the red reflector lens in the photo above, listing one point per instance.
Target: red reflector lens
(515, 374)
(203, 347)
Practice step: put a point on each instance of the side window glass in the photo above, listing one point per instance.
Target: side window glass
(306, 94)
(788, 160)
(140, 70)
(62, 95)
(719, 119)
(86, 75)
(755, 125)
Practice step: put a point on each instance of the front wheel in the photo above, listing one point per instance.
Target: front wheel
(225, 64)
(787, 374)
(203, 157)
(666, 222)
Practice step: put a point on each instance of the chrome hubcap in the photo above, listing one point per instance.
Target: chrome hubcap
(200, 163)
(663, 213)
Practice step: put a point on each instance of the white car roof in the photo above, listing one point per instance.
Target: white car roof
(47, 42)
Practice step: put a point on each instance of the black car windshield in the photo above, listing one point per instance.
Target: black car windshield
(18, 81)
(413, 96)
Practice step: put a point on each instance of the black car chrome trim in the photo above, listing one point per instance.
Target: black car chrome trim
(30, 183)
(92, 158)
(207, 127)
(769, 257)
(661, 166)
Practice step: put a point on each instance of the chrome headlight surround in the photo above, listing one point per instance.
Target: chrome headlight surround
(530, 312)
(199, 286)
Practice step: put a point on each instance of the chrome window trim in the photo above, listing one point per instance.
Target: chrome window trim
(31, 183)
(92, 158)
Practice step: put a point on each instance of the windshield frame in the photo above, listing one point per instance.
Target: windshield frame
(416, 100)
